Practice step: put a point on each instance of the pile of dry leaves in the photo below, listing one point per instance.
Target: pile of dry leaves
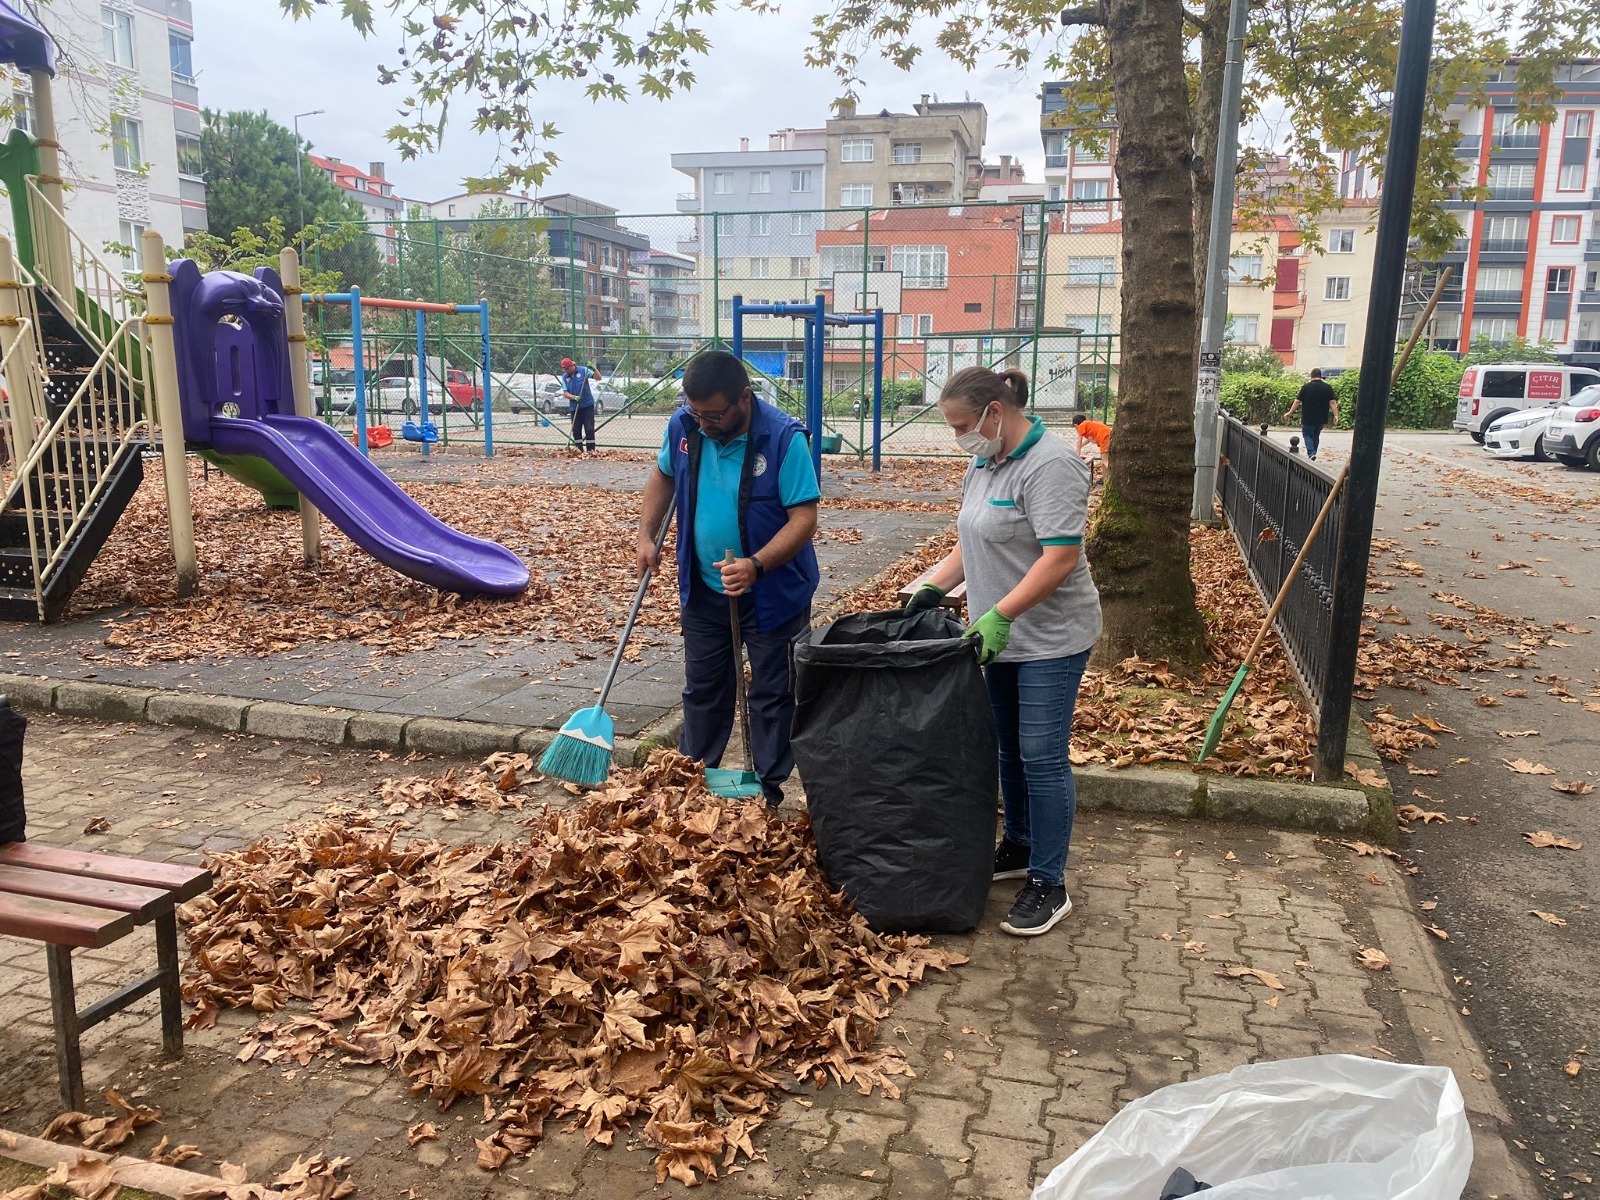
(650, 955)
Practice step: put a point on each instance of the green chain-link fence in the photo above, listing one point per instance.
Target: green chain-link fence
(1027, 284)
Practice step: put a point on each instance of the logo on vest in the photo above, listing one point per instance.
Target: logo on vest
(759, 467)
(683, 445)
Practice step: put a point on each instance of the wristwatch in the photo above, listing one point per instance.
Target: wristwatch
(761, 568)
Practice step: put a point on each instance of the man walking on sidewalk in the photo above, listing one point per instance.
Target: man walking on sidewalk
(739, 474)
(580, 402)
(1318, 407)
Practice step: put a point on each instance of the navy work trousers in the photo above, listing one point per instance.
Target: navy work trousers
(708, 689)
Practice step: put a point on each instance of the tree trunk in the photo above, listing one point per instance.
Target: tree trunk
(1139, 543)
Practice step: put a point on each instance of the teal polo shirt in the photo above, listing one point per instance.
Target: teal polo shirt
(716, 514)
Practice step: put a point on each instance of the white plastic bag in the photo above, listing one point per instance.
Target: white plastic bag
(1332, 1127)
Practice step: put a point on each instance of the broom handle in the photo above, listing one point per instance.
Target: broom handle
(1327, 505)
(633, 615)
(740, 694)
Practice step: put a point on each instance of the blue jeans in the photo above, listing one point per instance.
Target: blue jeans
(1311, 435)
(1033, 703)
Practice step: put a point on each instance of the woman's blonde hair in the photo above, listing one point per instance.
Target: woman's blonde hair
(975, 388)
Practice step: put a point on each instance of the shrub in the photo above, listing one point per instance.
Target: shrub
(1255, 399)
(1424, 397)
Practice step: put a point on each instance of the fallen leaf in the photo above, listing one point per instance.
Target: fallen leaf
(1576, 788)
(1428, 905)
(1437, 932)
(1547, 918)
(422, 1132)
(1543, 838)
(1375, 881)
(97, 825)
(1410, 812)
(1431, 725)
(1523, 767)
(1516, 733)
(1265, 977)
(1486, 702)
(1373, 960)
(1573, 1067)
(1365, 776)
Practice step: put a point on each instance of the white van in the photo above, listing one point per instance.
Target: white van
(1494, 390)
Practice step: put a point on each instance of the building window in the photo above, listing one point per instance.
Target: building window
(1245, 328)
(1091, 189)
(1499, 285)
(973, 308)
(1333, 333)
(1245, 268)
(849, 259)
(855, 195)
(761, 224)
(22, 111)
(798, 225)
(189, 156)
(760, 182)
(1055, 191)
(925, 324)
(1564, 231)
(1558, 281)
(905, 326)
(450, 210)
(760, 268)
(799, 181)
(1341, 241)
(117, 30)
(1514, 133)
(1495, 329)
(1510, 181)
(855, 150)
(722, 183)
(908, 193)
(905, 152)
(1055, 153)
(922, 266)
(1336, 287)
(1578, 124)
(128, 234)
(1091, 271)
(725, 309)
(1554, 329)
(1571, 177)
(799, 266)
(127, 150)
(180, 49)
(1505, 233)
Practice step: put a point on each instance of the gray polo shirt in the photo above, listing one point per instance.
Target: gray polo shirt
(1011, 509)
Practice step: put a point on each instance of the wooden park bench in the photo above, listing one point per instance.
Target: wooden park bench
(954, 598)
(68, 898)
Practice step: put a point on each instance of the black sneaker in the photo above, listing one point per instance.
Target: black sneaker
(1010, 860)
(1039, 905)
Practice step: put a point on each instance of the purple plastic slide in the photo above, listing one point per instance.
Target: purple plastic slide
(370, 508)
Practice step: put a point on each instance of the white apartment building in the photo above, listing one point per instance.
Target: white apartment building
(128, 119)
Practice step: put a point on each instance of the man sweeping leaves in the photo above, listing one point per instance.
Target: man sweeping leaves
(739, 475)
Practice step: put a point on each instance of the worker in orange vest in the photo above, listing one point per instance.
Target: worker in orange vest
(1090, 430)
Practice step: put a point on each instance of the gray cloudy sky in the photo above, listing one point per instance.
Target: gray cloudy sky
(251, 57)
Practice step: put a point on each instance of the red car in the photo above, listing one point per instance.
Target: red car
(466, 391)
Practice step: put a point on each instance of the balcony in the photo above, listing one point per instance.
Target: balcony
(1586, 346)
(1589, 298)
(1591, 248)
(1497, 297)
(1511, 193)
(688, 202)
(1525, 142)
(1055, 162)
(1448, 345)
(1504, 245)
(1469, 143)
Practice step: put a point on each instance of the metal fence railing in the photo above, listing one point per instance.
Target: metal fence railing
(1270, 499)
(1032, 285)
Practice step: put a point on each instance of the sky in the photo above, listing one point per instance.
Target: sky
(249, 56)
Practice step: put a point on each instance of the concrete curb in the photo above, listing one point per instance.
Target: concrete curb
(155, 1178)
(1174, 791)
(307, 722)
(1443, 1037)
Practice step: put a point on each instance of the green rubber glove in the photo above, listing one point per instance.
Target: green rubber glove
(993, 631)
(925, 597)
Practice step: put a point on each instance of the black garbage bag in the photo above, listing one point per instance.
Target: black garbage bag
(896, 747)
(13, 820)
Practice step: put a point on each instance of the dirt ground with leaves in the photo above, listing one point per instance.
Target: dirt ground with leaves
(1192, 948)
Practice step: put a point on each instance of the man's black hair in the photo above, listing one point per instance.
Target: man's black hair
(715, 373)
(1079, 418)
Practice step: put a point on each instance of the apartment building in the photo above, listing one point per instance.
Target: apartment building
(1528, 263)
(932, 155)
(591, 254)
(666, 297)
(1079, 159)
(754, 219)
(1336, 286)
(128, 119)
(381, 207)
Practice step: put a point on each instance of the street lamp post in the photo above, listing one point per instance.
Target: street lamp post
(299, 173)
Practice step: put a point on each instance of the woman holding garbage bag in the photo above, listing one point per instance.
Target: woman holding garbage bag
(1024, 504)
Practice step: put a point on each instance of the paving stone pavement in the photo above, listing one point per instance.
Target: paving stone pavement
(1020, 1055)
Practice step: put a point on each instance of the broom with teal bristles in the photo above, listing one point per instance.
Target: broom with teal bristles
(581, 751)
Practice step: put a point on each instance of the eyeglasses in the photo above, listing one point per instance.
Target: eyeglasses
(712, 418)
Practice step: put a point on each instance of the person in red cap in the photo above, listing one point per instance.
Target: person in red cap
(580, 402)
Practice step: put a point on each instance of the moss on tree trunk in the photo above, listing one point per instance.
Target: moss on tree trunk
(1139, 544)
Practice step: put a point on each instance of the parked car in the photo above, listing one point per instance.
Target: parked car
(1572, 436)
(553, 400)
(1519, 435)
(1489, 392)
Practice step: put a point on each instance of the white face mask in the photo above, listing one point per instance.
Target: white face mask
(973, 442)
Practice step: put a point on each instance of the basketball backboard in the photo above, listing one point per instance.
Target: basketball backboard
(858, 292)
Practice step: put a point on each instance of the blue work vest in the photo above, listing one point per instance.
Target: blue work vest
(784, 592)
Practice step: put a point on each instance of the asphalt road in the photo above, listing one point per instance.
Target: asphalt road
(1529, 986)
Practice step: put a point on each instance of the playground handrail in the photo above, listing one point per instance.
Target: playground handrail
(91, 292)
(104, 419)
